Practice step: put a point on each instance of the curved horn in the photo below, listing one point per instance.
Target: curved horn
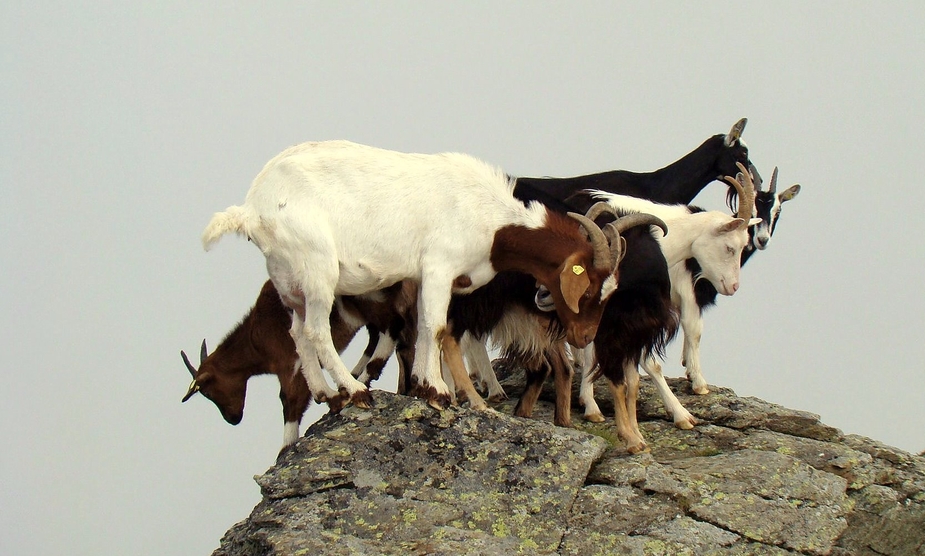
(746, 192)
(597, 238)
(617, 243)
(640, 219)
(773, 187)
(203, 353)
(598, 209)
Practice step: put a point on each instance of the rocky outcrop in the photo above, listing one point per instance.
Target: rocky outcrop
(752, 478)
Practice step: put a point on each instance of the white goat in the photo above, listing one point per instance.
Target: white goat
(716, 240)
(691, 303)
(340, 218)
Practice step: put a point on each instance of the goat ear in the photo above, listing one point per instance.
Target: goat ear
(754, 222)
(790, 193)
(736, 132)
(733, 225)
(573, 282)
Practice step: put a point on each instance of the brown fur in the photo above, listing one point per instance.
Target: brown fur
(547, 253)
(261, 344)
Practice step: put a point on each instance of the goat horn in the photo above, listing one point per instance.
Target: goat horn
(192, 369)
(746, 192)
(773, 187)
(639, 219)
(597, 238)
(193, 388)
(612, 231)
(203, 352)
(598, 209)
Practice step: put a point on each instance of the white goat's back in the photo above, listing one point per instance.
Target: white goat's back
(381, 215)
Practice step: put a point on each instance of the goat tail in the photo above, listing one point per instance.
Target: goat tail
(233, 219)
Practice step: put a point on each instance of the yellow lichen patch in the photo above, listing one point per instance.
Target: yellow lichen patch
(499, 529)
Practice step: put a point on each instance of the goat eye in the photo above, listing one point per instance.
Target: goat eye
(730, 250)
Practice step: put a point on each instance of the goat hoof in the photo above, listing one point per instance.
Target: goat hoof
(439, 401)
(497, 398)
(430, 395)
(685, 424)
(700, 390)
(362, 399)
(637, 448)
(337, 403)
(595, 417)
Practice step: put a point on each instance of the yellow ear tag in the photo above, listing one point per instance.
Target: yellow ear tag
(578, 269)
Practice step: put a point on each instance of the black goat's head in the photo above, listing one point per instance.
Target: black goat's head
(767, 208)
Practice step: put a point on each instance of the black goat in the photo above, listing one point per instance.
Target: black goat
(679, 182)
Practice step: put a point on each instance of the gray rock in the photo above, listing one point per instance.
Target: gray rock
(752, 479)
(403, 478)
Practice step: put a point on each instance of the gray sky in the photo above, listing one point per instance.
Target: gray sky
(126, 125)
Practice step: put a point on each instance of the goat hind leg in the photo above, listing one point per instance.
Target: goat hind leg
(433, 302)
(535, 375)
(452, 355)
(584, 360)
(317, 337)
(692, 324)
(477, 356)
(308, 362)
(562, 375)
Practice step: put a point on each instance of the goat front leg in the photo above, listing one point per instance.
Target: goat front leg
(371, 344)
(295, 397)
(372, 367)
(692, 324)
(627, 430)
(679, 414)
(584, 361)
(477, 356)
(433, 302)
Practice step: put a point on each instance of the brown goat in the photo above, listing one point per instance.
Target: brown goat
(261, 344)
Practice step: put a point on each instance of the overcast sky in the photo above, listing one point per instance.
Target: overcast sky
(126, 125)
